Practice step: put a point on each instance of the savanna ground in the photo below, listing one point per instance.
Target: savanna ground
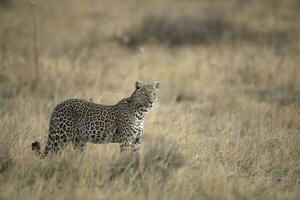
(228, 122)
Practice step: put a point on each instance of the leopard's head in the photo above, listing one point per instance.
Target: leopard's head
(145, 95)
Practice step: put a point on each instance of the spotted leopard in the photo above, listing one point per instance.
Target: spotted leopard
(80, 122)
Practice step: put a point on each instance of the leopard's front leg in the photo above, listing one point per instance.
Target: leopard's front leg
(131, 139)
(126, 144)
(135, 146)
(131, 146)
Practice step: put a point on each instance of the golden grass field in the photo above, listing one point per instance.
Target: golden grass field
(227, 125)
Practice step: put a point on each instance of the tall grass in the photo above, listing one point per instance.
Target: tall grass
(227, 124)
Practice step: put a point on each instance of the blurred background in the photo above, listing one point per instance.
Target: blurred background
(63, 48)
(229, 75)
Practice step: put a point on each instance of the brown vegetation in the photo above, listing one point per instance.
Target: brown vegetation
(228, 122)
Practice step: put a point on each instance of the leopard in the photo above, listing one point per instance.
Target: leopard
(79, 122)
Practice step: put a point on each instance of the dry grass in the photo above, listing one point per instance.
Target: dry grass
(228, 122)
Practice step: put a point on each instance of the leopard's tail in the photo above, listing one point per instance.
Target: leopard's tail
(36, 147)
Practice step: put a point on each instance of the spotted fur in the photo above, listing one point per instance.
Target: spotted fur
(80, 122)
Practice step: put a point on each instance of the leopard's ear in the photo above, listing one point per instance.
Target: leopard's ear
(138, 85)
(156, 84)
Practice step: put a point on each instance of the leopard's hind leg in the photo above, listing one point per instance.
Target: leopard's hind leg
(56, 142)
